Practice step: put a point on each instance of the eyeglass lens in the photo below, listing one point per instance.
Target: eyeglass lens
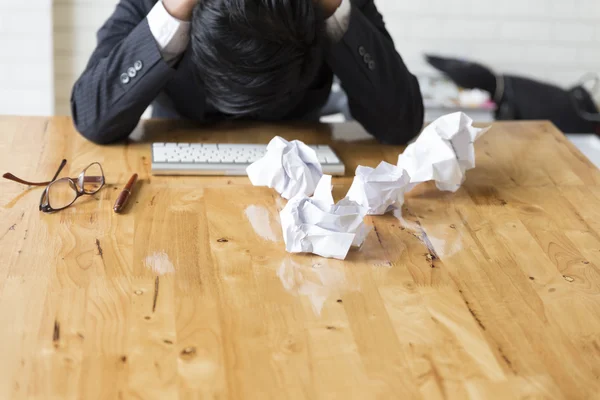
(93, 178)
(61, 193)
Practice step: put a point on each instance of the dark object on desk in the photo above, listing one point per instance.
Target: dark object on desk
(124, 196)
(107, 104)
(518, 98)
(465, 74)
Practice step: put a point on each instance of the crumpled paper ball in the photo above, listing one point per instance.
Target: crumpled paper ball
(379, 189)
(291, 168)
(443, 152)
(316, 225)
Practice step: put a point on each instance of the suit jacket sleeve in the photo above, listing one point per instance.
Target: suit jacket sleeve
(124, 75)
(383, 95)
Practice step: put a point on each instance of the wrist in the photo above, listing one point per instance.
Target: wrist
(179, 9)
(330, 7)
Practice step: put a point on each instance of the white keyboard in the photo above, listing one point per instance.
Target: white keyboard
(223, 159)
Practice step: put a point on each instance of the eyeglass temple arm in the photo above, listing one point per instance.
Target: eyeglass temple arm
(60, 168)
(11, 177)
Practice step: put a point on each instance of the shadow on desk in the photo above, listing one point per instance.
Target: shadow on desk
(164, 130)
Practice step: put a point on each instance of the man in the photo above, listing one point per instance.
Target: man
(252, 59)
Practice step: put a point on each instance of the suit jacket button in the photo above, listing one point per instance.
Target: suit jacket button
(368, 58)
(124, 79)
(131, 72)
(362, 51)
(138, 65)
(372, 65)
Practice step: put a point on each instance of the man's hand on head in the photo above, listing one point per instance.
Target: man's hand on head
(329, 6)
(180, 9)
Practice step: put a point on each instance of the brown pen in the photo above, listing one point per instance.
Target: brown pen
(124, 196)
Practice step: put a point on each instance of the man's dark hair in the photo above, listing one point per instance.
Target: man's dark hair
(257, 56)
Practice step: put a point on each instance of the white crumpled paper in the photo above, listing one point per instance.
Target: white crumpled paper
(315, 225)
(443, 152)
(379, 189)
(291, 168)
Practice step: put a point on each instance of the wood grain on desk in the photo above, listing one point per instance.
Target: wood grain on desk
(491, 292)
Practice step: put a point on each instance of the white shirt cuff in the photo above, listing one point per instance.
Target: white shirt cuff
(172, 35)
(338, 23)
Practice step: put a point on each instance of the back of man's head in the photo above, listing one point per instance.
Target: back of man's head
(256, 57)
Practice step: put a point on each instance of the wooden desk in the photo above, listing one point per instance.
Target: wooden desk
(492, 292)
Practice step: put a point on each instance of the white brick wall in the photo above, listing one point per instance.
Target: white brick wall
(553, 40)
(26, 84)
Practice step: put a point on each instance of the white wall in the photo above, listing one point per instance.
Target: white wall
(555, 40)
(75, 25)
(26, 82)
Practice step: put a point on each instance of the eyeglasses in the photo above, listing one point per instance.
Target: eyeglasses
(60, 194)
